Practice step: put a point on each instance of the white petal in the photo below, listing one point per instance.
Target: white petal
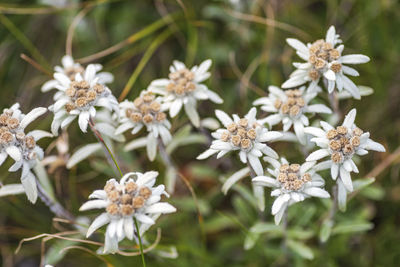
(296, 44)
(265, 181)
(144, 219)
(29, 183)
(255, 164)
(175, 107)
(83, 121)
(334, 171)
(317, 155)
(11, 189)
(346, 179)
(97, 223)
(161, 207)
(330, 35)
(351, 87)
(354, 59)
(223, 117)
(206, 154)
(330, 75)
(349, 119)
(93, 204)
(83, 153)
(128, 227)
(234, 178)
(279, 202)
(14, 153)
(190, 109)
(316, 192)
(315, 131)
(372, 145)
(319, 108)
(31, 116)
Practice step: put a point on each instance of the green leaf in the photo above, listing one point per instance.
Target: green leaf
(352, 227)
(262, 227)
(362, 183)
(298, 233)
(251, 240)
(325, 231)
(300, 249)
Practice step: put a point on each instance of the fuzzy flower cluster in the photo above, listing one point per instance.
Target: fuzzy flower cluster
(245, 135)
(70, 68)
(292, 183)
(145, 111)
(133, 197)
(184, 88)
(290, 107)
(79, 98)
(21, 146)
(341, 144)
(324, 61)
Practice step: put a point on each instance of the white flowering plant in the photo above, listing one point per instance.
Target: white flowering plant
(265, 168)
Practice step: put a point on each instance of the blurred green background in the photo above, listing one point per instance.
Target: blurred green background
(246, 41)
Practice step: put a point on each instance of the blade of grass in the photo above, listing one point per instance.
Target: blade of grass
(131, 39)
(24, 41)
(146, 57)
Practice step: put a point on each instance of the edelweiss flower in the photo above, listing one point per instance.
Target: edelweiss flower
(145, 111)
(21, 147)
(246, 135)
(325, 60)
(130, 198)
(70, 69)
(341, 143)
(79, 98)
(184, 88)
(290, 106)
(292, 183)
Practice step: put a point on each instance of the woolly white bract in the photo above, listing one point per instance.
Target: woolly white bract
(292, 183)
(70, 68)
(183, 88)
(134, 196)
(21, 147)
(145, 111)
(79, 98)
(325, 61)
(290, 107)
(341, 144)
(245, 135)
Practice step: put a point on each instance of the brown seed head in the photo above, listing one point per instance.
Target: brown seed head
(81, 93)
(82, 85)
(155, 106)
(161, 116)
(69, 107)
(294, 110)
(335, 145)
(336, 157)
(131, 187)
(179, 89)
(126, 199)
(291, 101)
(12, 123)
(3, 119)
(148, 118)
(81, 101)
(277, 103)
(285, 108)
(341, 129)
(98, 88)
(245, 143)
(137, 202)
(306, 177)
(148, 98)
(355, 141)
(225, 136)
(171, 87)
(331, 134)
(112, 209)
(284, 168)
(242, 132)
(91, 95)
(6, 137)
(109, 186)
(232, 127)
(282, 177)
(252, 134)
(312, 59)
(138, 101)
(300, 102)
(243, 122)
(145, 192)
(126, 210)
(113, 195)
(136, 117)
(336, 67)
(20, 136)
(292, 176)
(313, 74)
(190, 86)
(320, 63)
(357, 131)
(294, 167)
(70, 92)
(348, 149)
(30, 142)
(236, 140)
(334, 54)
(128, 112)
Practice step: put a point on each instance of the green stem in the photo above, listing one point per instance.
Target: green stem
(140, 242)
(101, 140)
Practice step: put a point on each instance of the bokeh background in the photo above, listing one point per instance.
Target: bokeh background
(246, 41)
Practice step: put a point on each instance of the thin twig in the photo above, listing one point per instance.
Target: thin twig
(384, 164)
(36, 65)
(53, 205)
(72, 27)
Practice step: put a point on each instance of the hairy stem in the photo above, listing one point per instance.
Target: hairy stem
(109, 155)
(114, 162)
(285, 236)
(334, 207)
(53, 205)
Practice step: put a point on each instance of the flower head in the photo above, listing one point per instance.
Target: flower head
(145, 111)
(21, 146)
(245, 135)
(325, 61)
(78, 98)
(290, 107)
(341, 144)
(291, 183)
(183, 88)
(134, 196)
(70, 68)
